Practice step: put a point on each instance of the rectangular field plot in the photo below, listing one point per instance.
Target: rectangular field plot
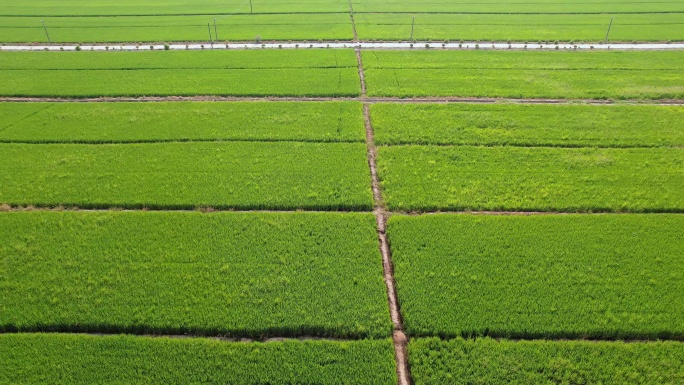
(522, 27)
(532, 74)
(180, 121)
(602, 276)
(240, 175)
(517, 6)
(176, 28)
(235, 274)
(528, 125)
(165, 7)
(82, 359)
(240, 73)
(487, 361)
(419, 178)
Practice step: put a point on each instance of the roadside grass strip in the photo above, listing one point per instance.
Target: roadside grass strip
(224, 175)
(180, 73)
(82, 359)
(516, 6)
(421, 178)
(528, 125)
(165, 7)
(176, 28)
(522, 27)
(532, 74)
(233, 274)
(181, 121)
(606, 276)
(487, 361)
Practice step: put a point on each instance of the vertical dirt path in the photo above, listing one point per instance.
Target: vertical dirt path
(381, 216)
(362, 76)
(351, 15)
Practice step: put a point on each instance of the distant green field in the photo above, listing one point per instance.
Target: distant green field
(182, 20)
(177, 121)
(532, 179)
(517, 6)
(165, 7)
(488, 361)
(517, 27)
(338, 26)
(236, 274)
(176, 28)
(516, 74)
(245, 73)
(528, 125)
(81, 359)
(239, 175)
(540, 276)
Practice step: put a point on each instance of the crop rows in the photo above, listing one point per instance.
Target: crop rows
(241, 21)
(595, 75)
(166, 7)
(598, 75)
(239, 175)
(176, 28)
(521, 27)
(178, 73)
(245, 170)
(516, 6)
(528, 125)
(235, 274)
(299, 274)
(424, 178)
(338, 26)
(488, 361)
(540, 276)
(181, 121)
(80, 359)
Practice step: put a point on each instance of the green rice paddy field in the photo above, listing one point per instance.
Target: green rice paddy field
(233, 274)
(250, 274)
(506, 74)
(80, 359)
(234, 73)
(164, 20)
(334, 73)
(231, 236)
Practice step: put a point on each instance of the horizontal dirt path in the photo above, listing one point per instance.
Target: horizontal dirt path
(377, 45)
(364, 99)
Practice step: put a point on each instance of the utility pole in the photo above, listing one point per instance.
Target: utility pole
(609, 25)
(210, 39)
(215, 30)
(413, 22)
(250, 6)
(46, 32)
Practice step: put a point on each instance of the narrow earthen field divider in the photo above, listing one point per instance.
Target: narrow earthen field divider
(385, 212)
(362, 98)
(353, 22)
(381, 215)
